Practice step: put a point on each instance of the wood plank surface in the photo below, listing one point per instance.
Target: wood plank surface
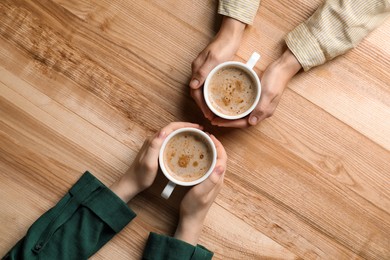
(83, 83)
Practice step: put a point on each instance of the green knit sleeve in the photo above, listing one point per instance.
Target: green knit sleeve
(161, 247)
(85, 219)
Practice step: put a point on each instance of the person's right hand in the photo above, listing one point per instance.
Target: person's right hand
(222, 48)
(198, 200)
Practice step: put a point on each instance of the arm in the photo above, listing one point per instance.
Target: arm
(193, 210)
(335, 28)
(90, 214)
(236, 15)
(241, 10)
(79, 225)
(222, 48)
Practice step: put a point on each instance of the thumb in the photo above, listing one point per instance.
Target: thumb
(195, 83)
(257, 116)
(153, 150)
(199, 76)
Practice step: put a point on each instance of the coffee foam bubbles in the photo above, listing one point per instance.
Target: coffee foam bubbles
(187, 157)
(232, 91)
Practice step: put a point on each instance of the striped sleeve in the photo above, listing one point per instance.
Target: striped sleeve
(336, 27)
(242, 10)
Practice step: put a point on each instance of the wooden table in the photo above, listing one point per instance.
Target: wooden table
(84, 82)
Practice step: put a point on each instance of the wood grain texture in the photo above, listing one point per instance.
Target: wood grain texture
(83, 83)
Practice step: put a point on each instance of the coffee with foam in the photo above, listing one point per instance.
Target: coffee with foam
(187, 156)
(232, 90)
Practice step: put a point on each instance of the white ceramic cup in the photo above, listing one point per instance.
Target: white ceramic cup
(247, 67)
(172, 181)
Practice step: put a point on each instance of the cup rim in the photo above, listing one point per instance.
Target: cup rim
(252, 74)
(210, 143)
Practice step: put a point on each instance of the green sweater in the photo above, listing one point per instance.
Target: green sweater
(85, 219)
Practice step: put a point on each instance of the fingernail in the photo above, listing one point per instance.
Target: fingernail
(253, 120)
(194, 83)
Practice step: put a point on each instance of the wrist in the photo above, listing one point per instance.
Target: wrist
(189, 231)
(125, 188)
(231, 29)
(288, 64)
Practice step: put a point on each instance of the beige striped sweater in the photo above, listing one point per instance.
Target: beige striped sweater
(334, 28)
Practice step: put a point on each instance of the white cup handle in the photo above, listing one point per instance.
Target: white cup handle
(166, 193)
(253, 60)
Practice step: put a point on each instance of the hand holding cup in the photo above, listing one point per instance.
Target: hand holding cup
(187, 157)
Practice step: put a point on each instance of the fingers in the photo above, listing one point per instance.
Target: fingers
(257, 116)
(152, 145)
(221, 152)
(201, 67)
(197, 95)
(196, 65)
(176, 125)
(216, 178)
(200, 75)
(153, 150)
(156, 141)
(213, 181)
(239, 123)
(264, 109)
(274, 81)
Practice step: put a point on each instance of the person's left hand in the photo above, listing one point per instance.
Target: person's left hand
(143, 170)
